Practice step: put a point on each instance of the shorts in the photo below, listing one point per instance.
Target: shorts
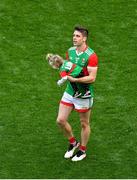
(79, 104)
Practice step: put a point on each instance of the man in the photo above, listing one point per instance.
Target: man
(85, 57)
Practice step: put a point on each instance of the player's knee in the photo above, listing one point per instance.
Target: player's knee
(61, 121)
(84, 124)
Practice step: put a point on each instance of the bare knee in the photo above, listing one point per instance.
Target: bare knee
(61, 121)
(84, 124)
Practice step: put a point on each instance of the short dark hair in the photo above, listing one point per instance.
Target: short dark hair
(81, 29)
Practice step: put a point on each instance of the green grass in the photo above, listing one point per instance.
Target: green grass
(31, 146)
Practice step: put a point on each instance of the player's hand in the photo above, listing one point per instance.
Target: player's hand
(71, 79)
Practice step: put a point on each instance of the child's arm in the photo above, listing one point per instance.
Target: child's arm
(64, 72)
(62, 80)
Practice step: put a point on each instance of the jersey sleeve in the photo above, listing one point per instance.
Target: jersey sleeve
(93, 60)
(65, 68)
(63, 73)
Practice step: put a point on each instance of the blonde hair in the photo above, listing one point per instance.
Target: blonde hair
(54, 59)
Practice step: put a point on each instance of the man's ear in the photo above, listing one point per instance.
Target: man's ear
(84, 38)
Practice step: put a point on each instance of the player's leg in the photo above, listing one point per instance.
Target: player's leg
(63, 114)
(85, 127)
(83, 106)
(85, 133)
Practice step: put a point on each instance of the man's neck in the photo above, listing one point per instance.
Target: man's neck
(81, 48)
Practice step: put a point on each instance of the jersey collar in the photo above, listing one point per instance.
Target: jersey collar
(78, 54)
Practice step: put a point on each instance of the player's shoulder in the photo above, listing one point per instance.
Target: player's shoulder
(89, 51)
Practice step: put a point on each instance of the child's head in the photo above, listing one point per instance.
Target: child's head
(54, 60)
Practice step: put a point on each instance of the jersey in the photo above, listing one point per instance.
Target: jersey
(75, 89)
(83, 60)
(68, 68)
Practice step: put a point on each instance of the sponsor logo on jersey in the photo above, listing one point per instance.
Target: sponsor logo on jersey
(83, 61)
(77, 59)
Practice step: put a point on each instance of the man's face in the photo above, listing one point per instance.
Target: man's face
(78, 38)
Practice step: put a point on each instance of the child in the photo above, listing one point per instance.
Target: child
(67, 68)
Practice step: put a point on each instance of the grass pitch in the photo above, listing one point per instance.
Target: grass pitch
(31, 146)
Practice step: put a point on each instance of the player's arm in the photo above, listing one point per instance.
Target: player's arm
(86, 79)
(92, 71)
(90, 78)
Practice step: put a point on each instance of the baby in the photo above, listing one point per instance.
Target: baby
(66, 69)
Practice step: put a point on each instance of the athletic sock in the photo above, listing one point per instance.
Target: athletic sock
(82, 148)
(72, 140)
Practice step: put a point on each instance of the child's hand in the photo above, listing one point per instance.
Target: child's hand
(61, 81)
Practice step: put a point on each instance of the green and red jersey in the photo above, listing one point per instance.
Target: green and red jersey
(85, 59)
(70, 69)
